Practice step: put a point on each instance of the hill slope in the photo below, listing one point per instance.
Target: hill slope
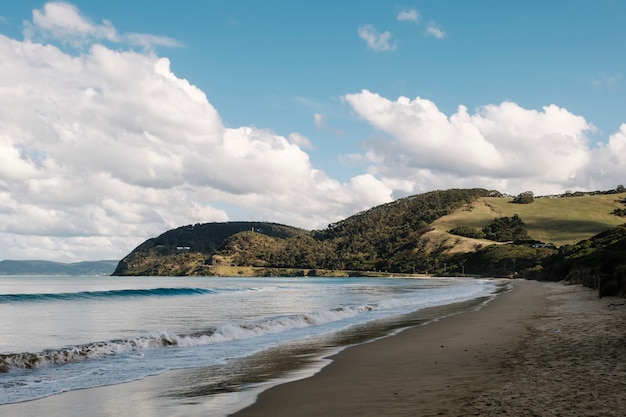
(598, 262)
(410, 235)
(385, 237)
(183, 251)
(561, 221)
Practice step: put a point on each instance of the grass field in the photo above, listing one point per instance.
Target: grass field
(552, 220)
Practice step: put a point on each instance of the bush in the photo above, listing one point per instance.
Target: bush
(506, 229)
(620, 212)
(467, 232)
(526, 197)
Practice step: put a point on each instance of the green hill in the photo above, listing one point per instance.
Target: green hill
(561, 221)
(410, 235)
(184, 250)
(385, 237)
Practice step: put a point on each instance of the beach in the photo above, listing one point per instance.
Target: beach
(543, 349)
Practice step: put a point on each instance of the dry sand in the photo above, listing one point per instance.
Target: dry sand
(544, 349)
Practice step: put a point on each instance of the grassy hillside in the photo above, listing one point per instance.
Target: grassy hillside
(383, 238)
(561, 221)
(407, 236)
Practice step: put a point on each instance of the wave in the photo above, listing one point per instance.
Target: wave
(220, 334)
(93, 295)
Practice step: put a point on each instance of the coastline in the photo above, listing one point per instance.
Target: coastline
(541, 349)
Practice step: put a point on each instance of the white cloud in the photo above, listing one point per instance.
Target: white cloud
(505, 147)
(148, 41)
(300, 140)
(64, 22)
(606, 82)
(105, 148)
(376, 41)
(320, 120)
(435, 30)
(609, 162)
(410, 15)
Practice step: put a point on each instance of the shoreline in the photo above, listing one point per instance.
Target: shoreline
(541, 349)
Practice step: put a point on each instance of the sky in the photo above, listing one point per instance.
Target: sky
(120, 120)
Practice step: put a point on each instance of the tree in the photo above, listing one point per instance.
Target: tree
(466, 231)
(526, 197)
(505, 229)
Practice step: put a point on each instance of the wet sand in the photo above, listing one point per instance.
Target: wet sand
(543, 349)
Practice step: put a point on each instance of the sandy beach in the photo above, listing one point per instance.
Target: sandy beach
(543, 349)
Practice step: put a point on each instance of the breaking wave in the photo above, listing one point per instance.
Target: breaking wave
(210, 335)
(93, 295)
(219, 334)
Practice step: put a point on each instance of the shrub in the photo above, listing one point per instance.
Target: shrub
(467, 232)
(620, 212)
(526, 197)
(506, 229)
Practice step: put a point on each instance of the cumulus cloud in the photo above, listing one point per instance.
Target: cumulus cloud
(64, 22)
(504, 146)
(104, 148)
(300, 140)
(609, 161)
(376, 41)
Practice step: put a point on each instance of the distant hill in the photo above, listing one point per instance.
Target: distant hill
(9, 267)
(449, 232)
(184, 250)
(385, 238)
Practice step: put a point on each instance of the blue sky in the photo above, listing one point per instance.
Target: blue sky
(306, 113)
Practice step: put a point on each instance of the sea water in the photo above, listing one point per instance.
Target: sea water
(60, 334)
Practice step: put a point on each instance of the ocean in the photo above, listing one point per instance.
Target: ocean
(219, 340)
